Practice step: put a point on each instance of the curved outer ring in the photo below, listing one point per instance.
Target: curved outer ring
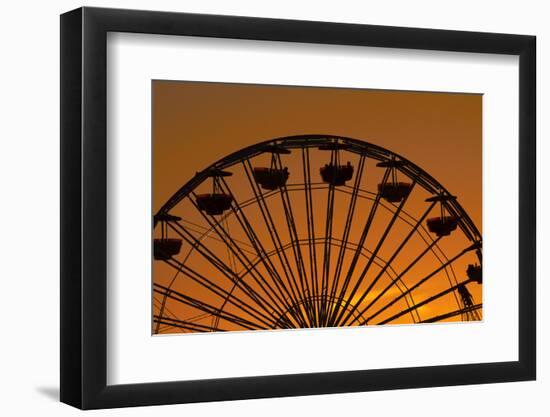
(357, 146)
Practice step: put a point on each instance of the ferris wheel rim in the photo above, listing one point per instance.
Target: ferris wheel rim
(314, 140)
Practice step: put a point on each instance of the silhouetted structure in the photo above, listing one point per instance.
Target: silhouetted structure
(469, 309)
(446, 223)
(165, 247)
(216, 202)
(334, 173)
(279, 268)
(275, 176)
(474, 273)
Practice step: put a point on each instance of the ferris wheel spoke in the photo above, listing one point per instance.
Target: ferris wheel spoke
(347, 230)
(282, 294)
(293, 288)
(327, 251)
(422, 281)
(404, 219)
(338, 309)
(161, 306)
(389, 262)
(225, 269)
(274, 292)
(249, 267)
(311, 233)
(163, 303)
(284, 322)
(459, 312)
(400, 276)
(260, 198)
(374, 254)
(423, 303)
(206, 307)
(294, 240)
(287, 292)
(220, 292)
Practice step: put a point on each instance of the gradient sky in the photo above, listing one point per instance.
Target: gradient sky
(197, 123)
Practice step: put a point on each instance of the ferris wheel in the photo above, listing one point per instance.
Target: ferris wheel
(313, 231)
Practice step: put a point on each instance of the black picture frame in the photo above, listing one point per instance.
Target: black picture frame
(84, 207)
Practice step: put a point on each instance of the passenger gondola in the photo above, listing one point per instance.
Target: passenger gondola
(442, 226)
(337, 175)
(214, 204)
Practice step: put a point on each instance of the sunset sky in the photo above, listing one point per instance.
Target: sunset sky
(196, 123)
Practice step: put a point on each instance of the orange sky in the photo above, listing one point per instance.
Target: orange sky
(195, 124)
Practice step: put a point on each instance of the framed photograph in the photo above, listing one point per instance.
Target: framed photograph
(257, 208)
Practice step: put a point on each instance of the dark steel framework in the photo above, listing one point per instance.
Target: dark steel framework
(84, 215)
(289, 276)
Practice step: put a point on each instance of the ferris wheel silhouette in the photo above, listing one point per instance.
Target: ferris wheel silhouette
(313, 231)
